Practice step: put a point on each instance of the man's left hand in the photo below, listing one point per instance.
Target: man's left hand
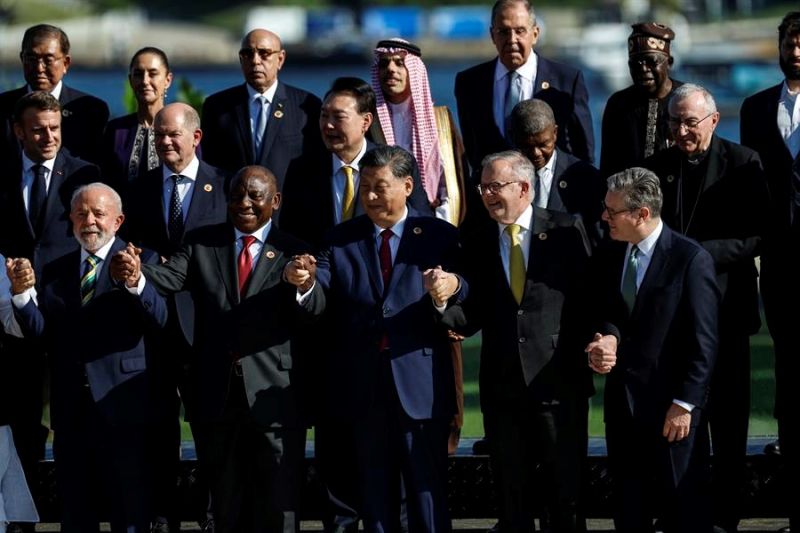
(440, 285)
(677, 423)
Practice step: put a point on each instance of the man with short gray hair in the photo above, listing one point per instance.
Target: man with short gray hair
(702, 177)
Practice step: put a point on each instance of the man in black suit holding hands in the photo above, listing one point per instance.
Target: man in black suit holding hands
(656, 338)
(45, 61)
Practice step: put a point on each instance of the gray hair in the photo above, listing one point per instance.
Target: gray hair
(520, 165)
(191, 120)
(640, 188)
(398, 160)
(530, 117)
(688, 89)
(502, 4)
(97, 186)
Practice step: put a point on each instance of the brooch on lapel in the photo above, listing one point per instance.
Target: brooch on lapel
(59, 172)
(208, 188)
(543, 236)
(670, 178)
(270, 254)
(278, 112)
(417, 230)
(562, 184)
(66, 113)
(545, 85)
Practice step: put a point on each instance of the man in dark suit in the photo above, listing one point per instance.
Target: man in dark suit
(563, 182)
(770, 125)
(486, 93)
(99, 384)
(45, 61)
(329, 196)
(656, 338)
(526, 269)
(635, 118)
(264, 121)
(389, 378)
(34, 210)
(702, 176)
(173, 199)
(246, 318)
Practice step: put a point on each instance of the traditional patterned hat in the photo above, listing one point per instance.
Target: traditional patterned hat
(649, 37)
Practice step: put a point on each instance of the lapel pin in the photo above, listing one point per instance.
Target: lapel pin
(545, 85)
(66, 113)
(59, 172)
(270, 254)
(543, 236)
(207, 187)
(417, 230)
(278, 113)
(562, 184)
(670, 178)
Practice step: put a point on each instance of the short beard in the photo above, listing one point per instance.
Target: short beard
(791, 72)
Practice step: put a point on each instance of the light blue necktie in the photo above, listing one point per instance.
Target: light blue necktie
(260, 127)
(513, 97)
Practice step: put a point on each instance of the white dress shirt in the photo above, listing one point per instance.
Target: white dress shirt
(255, 105)
(789, 119)
(339, 181)
(185, 187)
(525, 222)
(28, 176)
(545, 176)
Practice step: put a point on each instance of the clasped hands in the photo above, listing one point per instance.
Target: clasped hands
(126, 266)
(602, 352)
(20, 274)
(440, 285)
(301, 272)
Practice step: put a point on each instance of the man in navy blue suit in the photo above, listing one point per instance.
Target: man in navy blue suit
(487, 93)
(656, 339)
(263, 121)
(389, 377)
(45, 61)
(99, 380)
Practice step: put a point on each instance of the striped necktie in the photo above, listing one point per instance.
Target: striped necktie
(89, 279)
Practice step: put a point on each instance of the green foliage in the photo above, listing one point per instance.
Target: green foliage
(188, 94)
(128, 99)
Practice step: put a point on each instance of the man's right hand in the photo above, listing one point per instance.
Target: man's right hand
(20, 274)
(126, 266)
(602, 353)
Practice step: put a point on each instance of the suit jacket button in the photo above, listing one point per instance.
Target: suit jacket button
(520, 312)
(386, 311)
(522, 339)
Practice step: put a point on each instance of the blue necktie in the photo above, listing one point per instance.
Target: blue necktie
(38, 198)
(260, 127)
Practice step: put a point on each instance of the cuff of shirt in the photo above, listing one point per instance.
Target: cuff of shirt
(21, 300)
(302, 297)
(138, 288)
(685, 405)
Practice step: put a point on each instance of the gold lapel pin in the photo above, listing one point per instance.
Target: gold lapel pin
(417, 230)
(543, 236)
(545, 85)
(270, 254)
(207, 187)
(278, 113)
(562, 184)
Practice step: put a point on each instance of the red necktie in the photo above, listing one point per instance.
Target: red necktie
(385, 255)
(245, 262)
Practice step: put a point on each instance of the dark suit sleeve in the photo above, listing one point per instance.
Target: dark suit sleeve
(581, 134)
(170, 277)
(30, 319)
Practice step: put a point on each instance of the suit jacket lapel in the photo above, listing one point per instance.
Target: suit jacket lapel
(226, 263)
(717, 163)
(369, 254)
(277, 109)
(658, 263)
(199, 206)
(266, 265)
(243, 121)
(554, 200)
(408, 243)
(57, 177)
(103, 283)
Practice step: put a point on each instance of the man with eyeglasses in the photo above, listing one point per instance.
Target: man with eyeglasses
(526, 271)
(45, 57)
(486, 93)
(703, 176)
(263, 121)
(635, 118)
(770, 124)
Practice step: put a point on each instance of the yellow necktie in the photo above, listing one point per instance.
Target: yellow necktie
(516, 262)
(348, 201)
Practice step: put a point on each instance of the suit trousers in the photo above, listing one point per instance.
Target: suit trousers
(653, 478)
(255, 473)
(101, 473)
(538, 451)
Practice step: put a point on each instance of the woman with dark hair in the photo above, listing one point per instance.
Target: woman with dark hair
(129, 140)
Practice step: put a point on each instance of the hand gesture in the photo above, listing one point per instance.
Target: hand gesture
(602, 353)
(677, 423)
(126, 265)
(20, 274)
(301, 272)
(440, 285)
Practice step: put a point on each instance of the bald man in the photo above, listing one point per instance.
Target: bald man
(263, 121)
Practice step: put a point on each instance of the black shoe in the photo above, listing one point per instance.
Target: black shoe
(20, 527)
(773, 448)
(164, 527)
(207, 526)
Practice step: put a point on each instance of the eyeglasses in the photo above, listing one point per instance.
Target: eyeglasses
(247, 54)
(675, 123)
(650, 62)
(47, 61)
(505, 33)
(493, 187)
(614, 212)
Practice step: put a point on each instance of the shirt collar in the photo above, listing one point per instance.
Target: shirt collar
(260, 234)
(786, 94)
(189, 172)
(524, 221)
(28, 165)
(647, 244)
(338, 163)
(102, 253)
(269, 94)
(550, 165)
(397, 229)
(56, 92)
(527, 70)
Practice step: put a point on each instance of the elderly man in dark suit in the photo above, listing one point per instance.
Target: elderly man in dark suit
(99, 384)
(45, 61)
(389, 378)
(702, 176)
(656, 338)
(264, 121)
(487, 93)
(242, 278)
(526, 270)
(175, 198)
(770, 125)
